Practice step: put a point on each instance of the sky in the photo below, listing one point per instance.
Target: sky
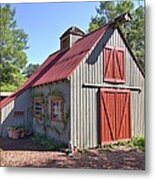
(45, 22)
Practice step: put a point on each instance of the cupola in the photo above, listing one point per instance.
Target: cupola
(69, 37)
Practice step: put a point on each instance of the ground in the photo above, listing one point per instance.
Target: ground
(24, 153)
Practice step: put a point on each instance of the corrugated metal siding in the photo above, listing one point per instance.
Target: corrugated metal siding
(21, 103)
(85, 102)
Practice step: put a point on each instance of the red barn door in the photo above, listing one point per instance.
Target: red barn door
(115, 115)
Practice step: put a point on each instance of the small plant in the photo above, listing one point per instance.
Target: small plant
(11, 128)
(49, 144)
(107, 147)
(16, 127)
(56, 93)
(20, 127)
(66, 119)
(38, 95)
(16, 132)
(13, 132)
(137, 142)
(122, 143)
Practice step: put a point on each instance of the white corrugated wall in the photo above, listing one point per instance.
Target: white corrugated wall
(85, 102)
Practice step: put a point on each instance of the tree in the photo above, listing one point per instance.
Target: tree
(30, 69)
(13, 43)
(133, 31)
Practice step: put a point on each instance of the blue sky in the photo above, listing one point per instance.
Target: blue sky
(45, 22)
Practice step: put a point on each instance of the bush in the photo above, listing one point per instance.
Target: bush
(49, 144)
(122, 143)
(16, 127)
(138, 141)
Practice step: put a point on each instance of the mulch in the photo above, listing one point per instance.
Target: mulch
(24, 153)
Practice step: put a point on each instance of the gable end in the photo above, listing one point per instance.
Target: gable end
(131, 52)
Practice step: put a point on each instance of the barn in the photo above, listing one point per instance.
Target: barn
(89, 92)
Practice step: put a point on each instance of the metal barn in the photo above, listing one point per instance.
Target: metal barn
(89, 92)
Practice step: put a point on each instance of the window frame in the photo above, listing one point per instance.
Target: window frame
(113, 79)
(38, 100)
(60, 100)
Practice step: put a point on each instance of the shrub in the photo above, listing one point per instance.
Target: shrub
(49, 144)
(16, 127)
(138, 141)
(122, 143)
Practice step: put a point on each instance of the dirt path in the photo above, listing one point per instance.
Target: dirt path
(117, 158)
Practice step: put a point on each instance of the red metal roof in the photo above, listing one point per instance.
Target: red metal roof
(60, 65)
(65, 64)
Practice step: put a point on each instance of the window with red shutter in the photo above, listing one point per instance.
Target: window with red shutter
(114, 65)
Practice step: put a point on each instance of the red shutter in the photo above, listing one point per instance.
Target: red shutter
(108, 64)
(119, 65)
(114, 68)
(115, 115)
